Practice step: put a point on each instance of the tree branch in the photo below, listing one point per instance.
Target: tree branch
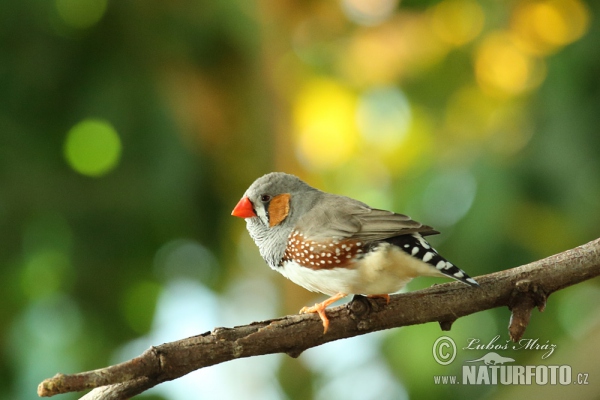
(521, 289)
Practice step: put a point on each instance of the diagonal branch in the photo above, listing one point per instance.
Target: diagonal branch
(521, 289)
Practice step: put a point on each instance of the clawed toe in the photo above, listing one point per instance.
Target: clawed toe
(319, 308)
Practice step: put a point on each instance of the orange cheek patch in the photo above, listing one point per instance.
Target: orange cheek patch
(279, 207)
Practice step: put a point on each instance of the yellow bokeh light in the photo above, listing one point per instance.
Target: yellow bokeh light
(503, 69)
(372, 57)
(542, 27)
(324, 119)
(81, 14)
(457, 22)
(92, 147)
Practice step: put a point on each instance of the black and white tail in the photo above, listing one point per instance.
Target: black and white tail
(416, 246)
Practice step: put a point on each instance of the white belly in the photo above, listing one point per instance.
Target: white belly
(384, 271)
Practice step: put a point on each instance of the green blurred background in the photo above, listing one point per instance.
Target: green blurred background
(129, 130)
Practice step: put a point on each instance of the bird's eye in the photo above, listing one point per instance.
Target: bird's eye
(265, 198)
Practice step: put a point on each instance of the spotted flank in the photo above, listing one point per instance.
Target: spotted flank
(322, 254)
(418, 247)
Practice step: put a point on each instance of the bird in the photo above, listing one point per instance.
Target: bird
(337, 245)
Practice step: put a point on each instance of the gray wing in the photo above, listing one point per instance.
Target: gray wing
(341, 218)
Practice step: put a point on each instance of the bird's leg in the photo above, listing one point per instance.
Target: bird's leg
(319, 308)
(380, 296)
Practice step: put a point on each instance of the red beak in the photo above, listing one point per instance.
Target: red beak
(243, 209)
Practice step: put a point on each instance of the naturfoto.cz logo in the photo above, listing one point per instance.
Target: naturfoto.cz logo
(494, 369)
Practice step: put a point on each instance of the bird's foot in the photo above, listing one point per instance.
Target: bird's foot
(319, 308)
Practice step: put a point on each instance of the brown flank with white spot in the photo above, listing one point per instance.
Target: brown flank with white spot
(323, 254)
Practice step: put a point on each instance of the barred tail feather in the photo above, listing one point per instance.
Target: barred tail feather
(419, 248)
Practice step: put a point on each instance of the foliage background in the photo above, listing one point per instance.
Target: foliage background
(129, 129)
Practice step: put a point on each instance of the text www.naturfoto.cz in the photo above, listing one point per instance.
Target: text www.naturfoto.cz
(513, 375)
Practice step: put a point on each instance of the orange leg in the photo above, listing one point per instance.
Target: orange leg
(380, 296)
(319, 308)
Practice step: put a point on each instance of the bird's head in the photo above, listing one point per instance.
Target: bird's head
(271, 207)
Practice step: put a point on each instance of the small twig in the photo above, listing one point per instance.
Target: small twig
(525, 298)
(521, 289)
(121, 391)
(129, 370)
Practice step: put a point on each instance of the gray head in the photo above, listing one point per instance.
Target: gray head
(271, 206)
